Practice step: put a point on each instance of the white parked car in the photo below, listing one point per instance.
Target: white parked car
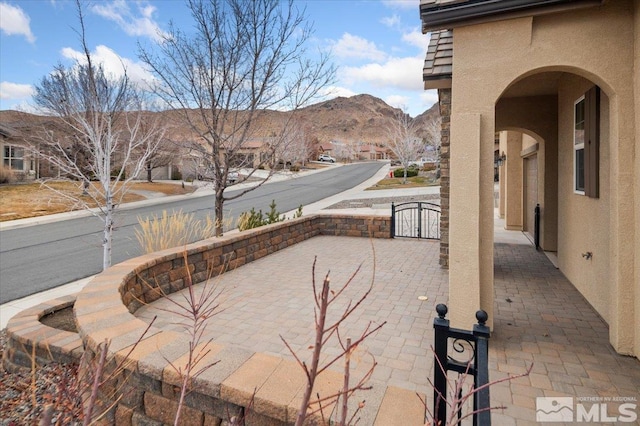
(326, 157)
(207, 174)
(421, 162)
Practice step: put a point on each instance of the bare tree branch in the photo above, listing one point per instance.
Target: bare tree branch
(403, 140)
(244, 57)
(102, 133)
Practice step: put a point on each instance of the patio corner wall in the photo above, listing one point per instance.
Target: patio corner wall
(143, 386)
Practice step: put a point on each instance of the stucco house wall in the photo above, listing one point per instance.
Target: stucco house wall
(584, 222)
(636, 178)
(556, 55)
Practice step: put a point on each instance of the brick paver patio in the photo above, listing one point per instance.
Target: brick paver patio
(540, 319)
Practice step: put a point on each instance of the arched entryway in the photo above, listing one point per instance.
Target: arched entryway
(576, 141)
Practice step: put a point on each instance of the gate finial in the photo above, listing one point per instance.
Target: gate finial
(482, 317)
(442, 310)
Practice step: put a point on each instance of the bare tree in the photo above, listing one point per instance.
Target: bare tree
(105, 138)
(244, 57)
(355, 149)
(295, 147)
(165, 155)
(431, 131)
(403, 140)
(431, 138)
(341, 150)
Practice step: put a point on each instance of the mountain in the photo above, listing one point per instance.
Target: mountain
(357, 118)
(362, 118)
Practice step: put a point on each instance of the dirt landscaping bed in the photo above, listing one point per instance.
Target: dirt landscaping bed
(25, 200)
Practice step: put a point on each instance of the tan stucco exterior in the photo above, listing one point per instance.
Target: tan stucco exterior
(636, 177)
(521, 77)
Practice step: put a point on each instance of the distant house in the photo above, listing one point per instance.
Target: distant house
(15, 156)
(559, 83)
(326, 148)
(373, 152)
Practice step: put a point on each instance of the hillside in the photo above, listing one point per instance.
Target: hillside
(357, 118)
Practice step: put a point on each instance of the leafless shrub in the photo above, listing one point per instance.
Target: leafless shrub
(461, 392)
(324, 297)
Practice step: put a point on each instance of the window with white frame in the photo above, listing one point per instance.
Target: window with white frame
(578, 146)
(13, 157)
(586, 144)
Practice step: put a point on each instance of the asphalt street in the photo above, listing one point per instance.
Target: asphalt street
(39, 257)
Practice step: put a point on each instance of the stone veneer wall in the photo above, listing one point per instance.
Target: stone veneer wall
(444, 96)
(139, 368)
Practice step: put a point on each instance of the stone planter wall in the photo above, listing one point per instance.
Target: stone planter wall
(141, 356)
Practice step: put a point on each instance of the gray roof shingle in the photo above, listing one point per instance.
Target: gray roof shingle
(438, 63)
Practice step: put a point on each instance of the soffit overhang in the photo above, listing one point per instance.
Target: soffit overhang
(448, 14)
(440, 17)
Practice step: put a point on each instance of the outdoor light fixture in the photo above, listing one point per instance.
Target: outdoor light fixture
(501, 159)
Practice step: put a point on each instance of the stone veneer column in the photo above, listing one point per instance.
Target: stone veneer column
(444, 100)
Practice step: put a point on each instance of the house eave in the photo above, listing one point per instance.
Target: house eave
(439, 82)
(437, 16)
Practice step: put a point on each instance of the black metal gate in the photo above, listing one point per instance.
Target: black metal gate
(474, 345)
(415, 219)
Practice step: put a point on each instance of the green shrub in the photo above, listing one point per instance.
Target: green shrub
(176, 174)
(298, 212)
(411, 172)
(273, 216)
(116, 171)
(250, 220)
(253, 219)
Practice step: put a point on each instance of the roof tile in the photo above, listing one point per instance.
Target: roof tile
(438, 64)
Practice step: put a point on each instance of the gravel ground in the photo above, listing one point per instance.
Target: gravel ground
(369, 202)
(23, 396)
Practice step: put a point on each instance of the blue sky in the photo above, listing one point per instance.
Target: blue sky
(377, 45)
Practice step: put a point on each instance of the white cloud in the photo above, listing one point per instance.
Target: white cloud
(335, 91)
(113, 63)
(398, 101)
(351, 46)
(399, 73)
(10, 90)
(402, 4)
(416, 38)
(13, 21)
(428, 98)
(141, 25)
(391, 21)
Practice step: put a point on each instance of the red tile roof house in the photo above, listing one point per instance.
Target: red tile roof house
(558, 82)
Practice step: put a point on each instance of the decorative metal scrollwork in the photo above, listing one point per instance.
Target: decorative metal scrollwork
(463, 347)
(416, 219)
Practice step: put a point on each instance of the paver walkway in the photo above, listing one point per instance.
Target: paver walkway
(540, 318)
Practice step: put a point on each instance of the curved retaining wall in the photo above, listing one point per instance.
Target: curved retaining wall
(143, 385)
